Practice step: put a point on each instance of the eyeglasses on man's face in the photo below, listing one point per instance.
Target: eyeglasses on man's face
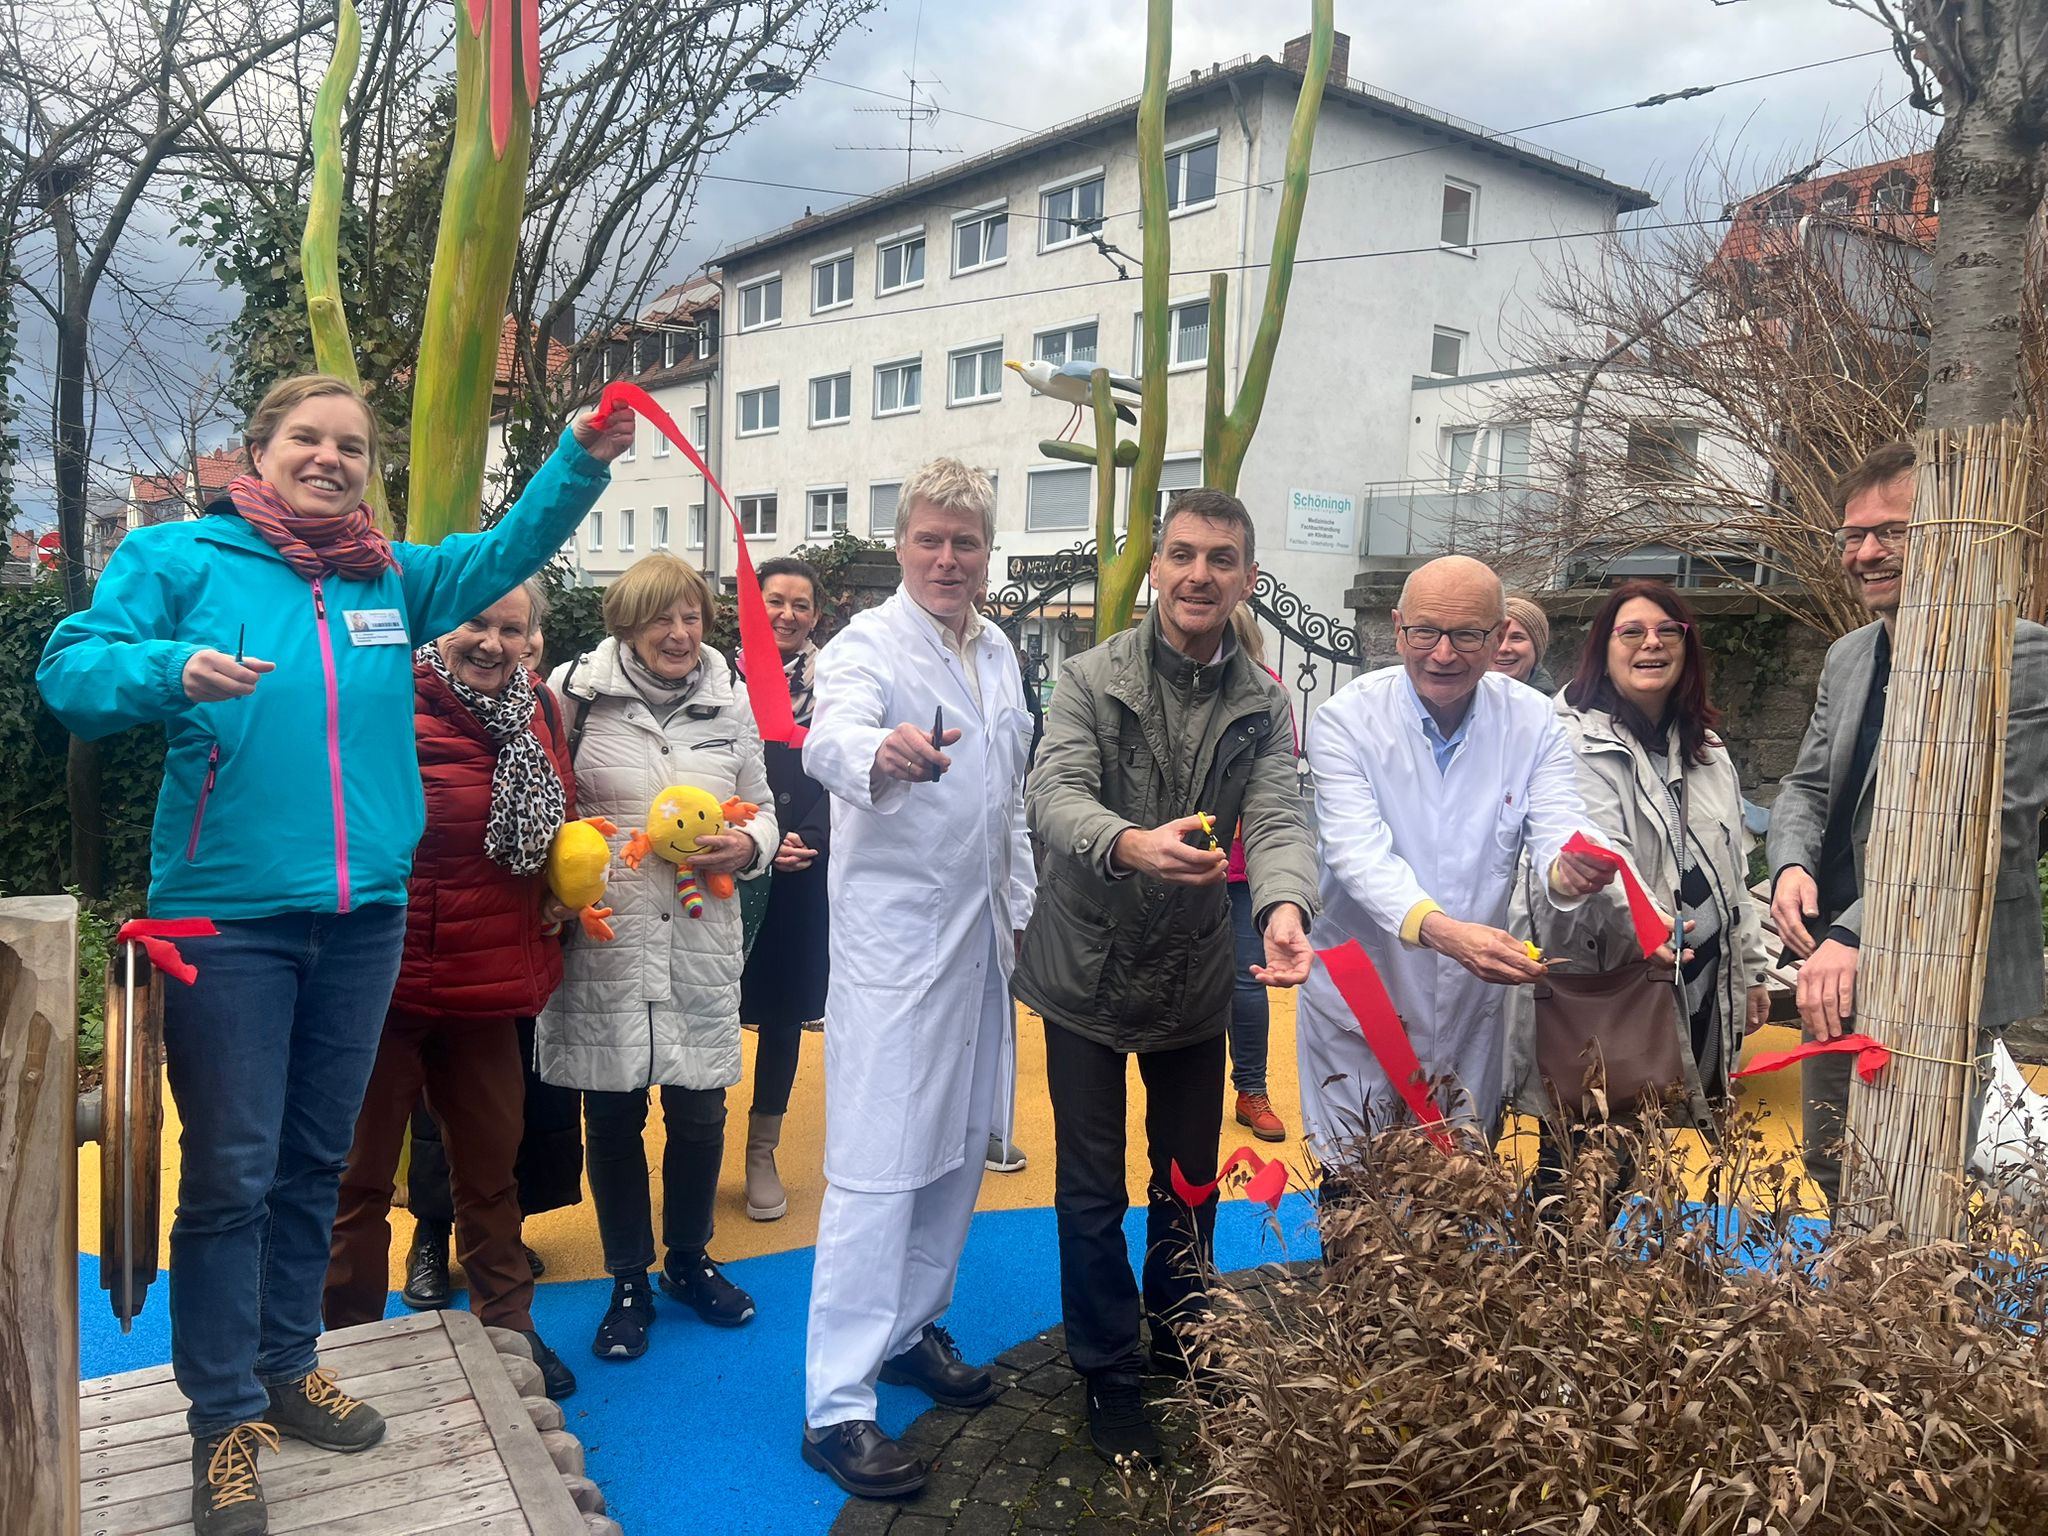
(1670, 632)
(1424, 637)
(1891, 538)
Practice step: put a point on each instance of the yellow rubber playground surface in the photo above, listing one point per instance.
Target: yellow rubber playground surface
(567, 1239)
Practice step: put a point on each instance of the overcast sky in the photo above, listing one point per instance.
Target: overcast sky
(1023, 65)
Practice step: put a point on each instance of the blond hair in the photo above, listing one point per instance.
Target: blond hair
(950, 484)
(287, 395)
(1245, 625)
(651, 586)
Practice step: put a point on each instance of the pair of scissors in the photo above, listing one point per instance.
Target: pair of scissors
(938, 737)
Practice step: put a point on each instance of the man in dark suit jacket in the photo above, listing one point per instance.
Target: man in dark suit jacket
(1821, 820)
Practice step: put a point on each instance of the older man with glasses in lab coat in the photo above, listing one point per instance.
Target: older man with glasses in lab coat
(931, 886)
(1432, 777)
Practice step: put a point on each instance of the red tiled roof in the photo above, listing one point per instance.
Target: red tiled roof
(216, 469)
(1896, 196)
(555, 359)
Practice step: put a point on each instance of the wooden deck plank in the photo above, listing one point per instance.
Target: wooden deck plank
(136, 1398)
(176, 1450)
(397, 1507)
(137, 1501)
(543, 1500)
(394, 1393)
(339, 1339)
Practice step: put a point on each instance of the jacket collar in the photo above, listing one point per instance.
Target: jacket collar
(600, 674)
(1180, 672)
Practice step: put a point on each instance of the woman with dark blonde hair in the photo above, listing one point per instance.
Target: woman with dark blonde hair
(273, 639)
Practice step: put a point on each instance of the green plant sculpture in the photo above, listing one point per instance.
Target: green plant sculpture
(1226, 429)
(497, 78)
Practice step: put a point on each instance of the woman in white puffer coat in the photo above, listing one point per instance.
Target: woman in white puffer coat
(653, 706)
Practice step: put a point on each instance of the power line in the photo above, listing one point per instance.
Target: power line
(1658, 99)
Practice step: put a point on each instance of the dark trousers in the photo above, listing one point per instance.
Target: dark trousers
(267, 1052)
(550, 1165)
(476, 1088)
(1183, 1119)
(776, 1050)
(1250, 1015)
(616, 1156)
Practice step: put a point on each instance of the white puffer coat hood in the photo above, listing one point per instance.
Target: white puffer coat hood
(660, 1003)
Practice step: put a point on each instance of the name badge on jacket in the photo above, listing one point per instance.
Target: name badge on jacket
(375, 626)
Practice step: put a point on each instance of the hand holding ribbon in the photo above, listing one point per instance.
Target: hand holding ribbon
(1871, 1056)
(1652, 928)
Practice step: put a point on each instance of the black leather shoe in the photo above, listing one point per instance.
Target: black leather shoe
(933, 1365)
(865, 1462)
(426, 1272)
(535, 1262)
(558, 1379)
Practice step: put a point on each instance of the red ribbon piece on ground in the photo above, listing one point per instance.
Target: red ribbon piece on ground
(1359, 984)
(767, 685)
(1871, 1056)
(1266, 1185)
(155, 938)
(1651, 929)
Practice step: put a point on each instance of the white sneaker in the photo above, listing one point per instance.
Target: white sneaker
(1004, 1156)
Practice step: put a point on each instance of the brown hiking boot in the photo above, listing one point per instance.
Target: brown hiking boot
(315, 1410)
(1255, 1110)
(227, 1500)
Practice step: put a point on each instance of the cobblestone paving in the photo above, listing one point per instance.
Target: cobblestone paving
(1025, 1463)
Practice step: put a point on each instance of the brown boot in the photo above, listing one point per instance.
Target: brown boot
(766, 1199)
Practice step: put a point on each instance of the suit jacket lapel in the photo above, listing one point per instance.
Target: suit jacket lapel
(1849, 696)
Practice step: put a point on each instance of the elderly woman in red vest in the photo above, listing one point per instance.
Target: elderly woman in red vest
(480, 953)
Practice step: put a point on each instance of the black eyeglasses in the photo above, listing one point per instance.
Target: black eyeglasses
(1424, 637)
(1670, 632)
(1891, 538)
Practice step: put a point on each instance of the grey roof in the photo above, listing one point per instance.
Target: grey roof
(1351, 91)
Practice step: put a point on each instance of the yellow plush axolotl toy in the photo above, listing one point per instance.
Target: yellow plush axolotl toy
(577, 863)
(680, 816)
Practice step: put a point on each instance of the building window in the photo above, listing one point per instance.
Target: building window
(696, 529)
(1191, 176)
(646, 352)
(980, 239)
(707, 332)
(633, 445)
(832, 282)
(899, 387)
(1475, 457)
(1068, 344)
(625, 528)
(1454, 229)
(1838, 198)
(674, 346)
(761, 303)
(661, 527)
(1447, 353)
(760, 410)
(1663, 453)
(828, 512)
(977, 374)
(832, 400)
(1892, 193)
(899, 263)
(1058, 498)
(757, 516)
(662, 449)
(593, 530)
(882, 499)
(1175, 476)
(1071, 212)
(1187, 337)
(700, 426)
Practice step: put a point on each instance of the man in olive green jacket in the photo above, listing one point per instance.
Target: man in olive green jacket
(1159, 742)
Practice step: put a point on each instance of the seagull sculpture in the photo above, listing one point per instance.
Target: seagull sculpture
(1070, 383)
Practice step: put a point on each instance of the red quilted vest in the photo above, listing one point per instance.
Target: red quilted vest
(473, 941)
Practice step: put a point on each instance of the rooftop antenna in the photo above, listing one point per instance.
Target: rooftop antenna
(916, 109)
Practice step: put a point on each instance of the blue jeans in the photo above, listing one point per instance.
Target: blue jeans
(1249, 1017)
(268, 1054)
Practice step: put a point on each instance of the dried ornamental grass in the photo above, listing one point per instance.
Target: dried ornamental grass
(1471, 1359)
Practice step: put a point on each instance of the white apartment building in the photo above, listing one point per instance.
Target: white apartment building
(863, 340)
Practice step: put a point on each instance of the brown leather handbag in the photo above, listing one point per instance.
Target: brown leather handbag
(1621, 1026)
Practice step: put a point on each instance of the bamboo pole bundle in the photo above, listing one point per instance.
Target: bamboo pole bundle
(1931, 862)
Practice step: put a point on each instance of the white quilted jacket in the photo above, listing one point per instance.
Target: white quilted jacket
(660, 1003)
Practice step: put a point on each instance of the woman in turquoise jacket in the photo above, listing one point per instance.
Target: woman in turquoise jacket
(273, 637)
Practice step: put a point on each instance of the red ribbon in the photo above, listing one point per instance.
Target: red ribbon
(1651, 929)
(155, 935)
(1871, 1056)
(1266, 1185)
(767, 685)
(1359, 984)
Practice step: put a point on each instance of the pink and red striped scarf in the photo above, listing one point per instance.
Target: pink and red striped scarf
(348, 545)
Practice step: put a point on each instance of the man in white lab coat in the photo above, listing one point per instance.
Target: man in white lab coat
(931, 886)
(1432, 776)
